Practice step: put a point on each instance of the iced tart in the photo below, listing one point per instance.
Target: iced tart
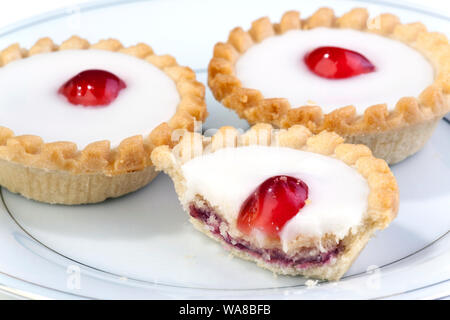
(374, 81)
(293, 202)
(79, 120)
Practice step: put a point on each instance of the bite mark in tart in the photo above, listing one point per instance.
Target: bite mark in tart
(373, 81)
(80, 120)
(293, 202)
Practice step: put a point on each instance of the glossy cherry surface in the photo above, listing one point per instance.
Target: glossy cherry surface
(337, 63)
(92, 88)
(272, 204)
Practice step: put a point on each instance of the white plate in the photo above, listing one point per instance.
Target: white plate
(141, 245)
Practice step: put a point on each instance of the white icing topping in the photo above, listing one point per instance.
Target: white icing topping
(30, 103)
(337, 192)
(276, 68)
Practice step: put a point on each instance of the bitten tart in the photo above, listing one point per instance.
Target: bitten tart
(373, 81)
(293, 202)
(79, 120)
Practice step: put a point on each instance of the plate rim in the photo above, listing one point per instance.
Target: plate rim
(148, 283)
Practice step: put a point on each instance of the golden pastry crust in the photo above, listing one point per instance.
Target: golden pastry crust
(133, 153)
(432, 103)
(383, 200)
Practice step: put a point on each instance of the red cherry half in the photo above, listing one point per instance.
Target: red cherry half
(92, 88)
(337, 63)
(272, 204)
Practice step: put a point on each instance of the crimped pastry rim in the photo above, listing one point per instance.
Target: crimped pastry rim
(383, 199)
(250, 104)
(133, 153)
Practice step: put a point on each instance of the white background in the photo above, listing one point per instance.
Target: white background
(16, 10)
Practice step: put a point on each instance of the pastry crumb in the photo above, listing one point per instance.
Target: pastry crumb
(311, 283)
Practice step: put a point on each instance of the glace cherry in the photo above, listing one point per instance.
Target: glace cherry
(92, 88)
(337, 63)
(272, 204)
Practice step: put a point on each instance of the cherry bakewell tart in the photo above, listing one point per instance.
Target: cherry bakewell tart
(293, 202)
(373, 81)
(79, 120)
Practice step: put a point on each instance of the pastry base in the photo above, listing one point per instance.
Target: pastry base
(332, 271)
(395, 145)
(62, 187)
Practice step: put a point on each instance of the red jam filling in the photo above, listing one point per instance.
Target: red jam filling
(92, 88)
(273, 203)
(337, 63)
(301, 259)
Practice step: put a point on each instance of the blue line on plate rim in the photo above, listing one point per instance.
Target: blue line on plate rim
(414, 290)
